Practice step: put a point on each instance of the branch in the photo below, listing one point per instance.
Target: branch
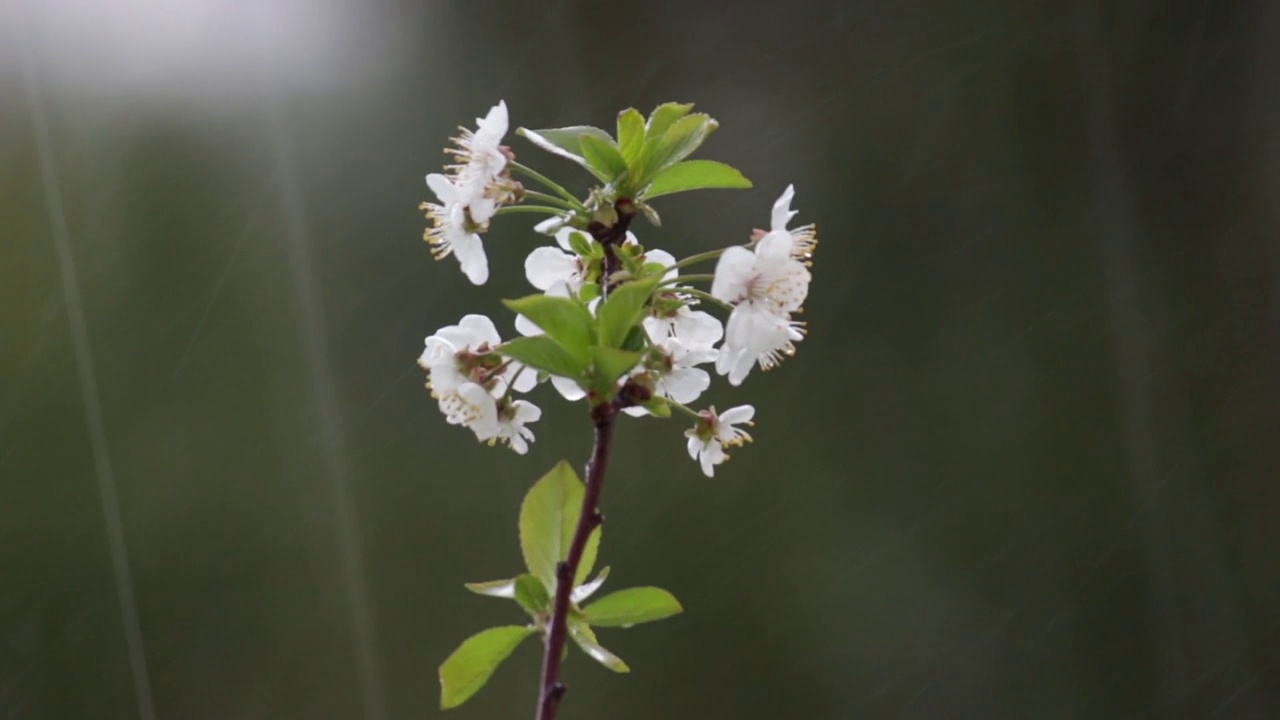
(590, 518)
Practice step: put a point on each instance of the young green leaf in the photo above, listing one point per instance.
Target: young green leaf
(532, 594)
(567, 143)
(632, 606)
(542, 353)
(470, 666)
(582, 591)
(682, 138)
(548, 518)
(582, 635)
(663, 116)
(604, 157)
(696, 175)
(623, 309)
(630, 136)
(564, 320)
(589, 553)
(636, 339)
(611, 364)
(494, 588)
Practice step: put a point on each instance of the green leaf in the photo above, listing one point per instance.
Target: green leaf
(630, 136)
(683, 137)
(567, 142)
(582, 635)
(632, 606)
(663, 116)
(532, 594)
(696, 175)
(470, 666)
(548, 518)
(542, 353)
(604, 157)
(564, 320)
(636, 339)
(624, 308)
(589, 553)
(611, 364)
(494, 588)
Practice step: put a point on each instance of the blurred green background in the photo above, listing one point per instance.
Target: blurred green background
(1024, 465)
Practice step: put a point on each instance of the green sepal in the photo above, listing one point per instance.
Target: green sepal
(580, 243)
(658, 407)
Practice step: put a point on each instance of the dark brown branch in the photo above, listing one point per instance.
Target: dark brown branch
(602, 417)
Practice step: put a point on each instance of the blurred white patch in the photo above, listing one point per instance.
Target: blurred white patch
(201, 50)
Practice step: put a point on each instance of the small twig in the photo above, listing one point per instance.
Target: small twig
(602, 417)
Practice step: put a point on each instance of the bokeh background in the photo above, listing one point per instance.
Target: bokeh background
(1024, 465)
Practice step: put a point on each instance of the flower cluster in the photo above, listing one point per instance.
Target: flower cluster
(480, 183)
(613, 321)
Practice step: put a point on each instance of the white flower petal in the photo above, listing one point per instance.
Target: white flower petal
(696, 328)
(442, 187)
(470, 253)
(711, 456)
(737, 415)
(567, 388)
(684, 385)
(481, 328)
(526, 327)
(547, 266)
(733, 272)
(694, 446)
(782, 212)
(549, 226)
(664, 258)
(522, 379)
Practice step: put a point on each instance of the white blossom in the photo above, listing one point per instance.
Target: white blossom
(481, 164)
(804, 239)
(493, 420)
(713, 433)
(462, 353)
(469, 197)
(547, 268)
(765, 286)
(452, 233)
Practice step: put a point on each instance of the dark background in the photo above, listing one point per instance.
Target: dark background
(1024, 465)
